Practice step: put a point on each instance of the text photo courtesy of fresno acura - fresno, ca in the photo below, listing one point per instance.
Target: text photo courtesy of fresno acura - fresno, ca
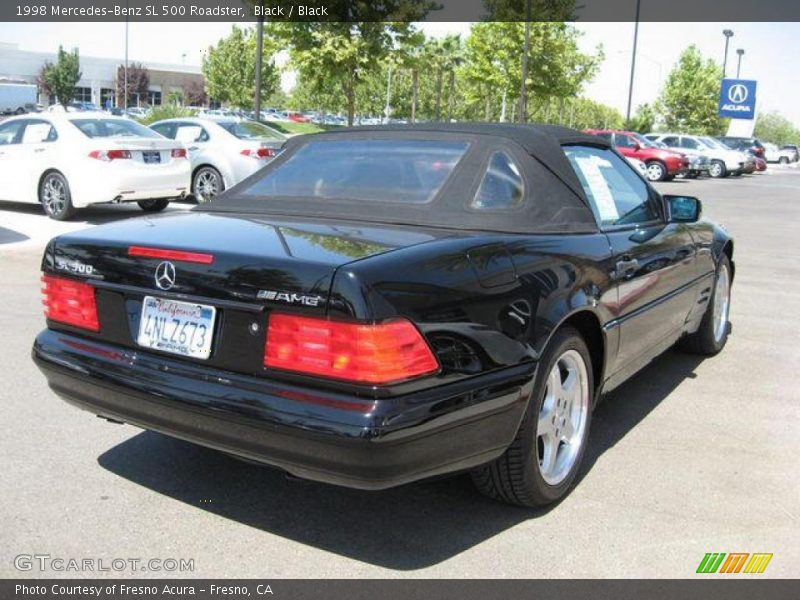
(367, 311)
(456, 300)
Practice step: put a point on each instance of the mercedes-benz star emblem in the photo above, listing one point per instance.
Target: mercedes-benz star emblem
(737, 93)
(165, 275)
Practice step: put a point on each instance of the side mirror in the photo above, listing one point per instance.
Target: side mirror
(683, 209)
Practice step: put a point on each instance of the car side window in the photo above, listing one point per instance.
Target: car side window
(165, 129)
(671, 141)
(689, 143)
(11, 133)
(38, 132)
(502, 187)
(617, 195)
(190, 133)
(623, 141)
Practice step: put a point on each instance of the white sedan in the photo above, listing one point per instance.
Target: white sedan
(222, 151)
(66, 161)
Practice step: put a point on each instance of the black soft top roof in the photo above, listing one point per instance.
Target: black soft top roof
(556, 200)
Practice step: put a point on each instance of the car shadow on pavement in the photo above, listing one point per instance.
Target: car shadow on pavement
(406, 528)
(9, 236)
(96, 214)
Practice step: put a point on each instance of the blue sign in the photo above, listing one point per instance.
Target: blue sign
(738, 99)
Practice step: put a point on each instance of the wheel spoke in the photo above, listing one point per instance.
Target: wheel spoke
(548, 464)
(545, 425)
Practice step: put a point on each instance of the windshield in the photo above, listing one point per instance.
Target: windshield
(400, 171)
(250, 130)
(712, 143)
(113, 128)
(643, 141)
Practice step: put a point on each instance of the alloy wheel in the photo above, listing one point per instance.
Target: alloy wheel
(563, 417)
(722, 297)
(207, 185)
(655, 172)
(54, 195)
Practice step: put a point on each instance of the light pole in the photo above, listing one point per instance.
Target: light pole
(259, 51)
(125, 90)
(633, 63)
(523, 93)
(740, 52)
(728, 35)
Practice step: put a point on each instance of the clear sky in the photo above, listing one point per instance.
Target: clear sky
(769, 51)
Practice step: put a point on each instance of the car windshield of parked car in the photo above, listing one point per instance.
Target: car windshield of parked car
(113, 128)
(643, 141)
(401, 171)
(250, 130)
(715, 143)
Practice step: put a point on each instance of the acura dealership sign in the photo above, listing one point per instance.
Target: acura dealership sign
(738, 99)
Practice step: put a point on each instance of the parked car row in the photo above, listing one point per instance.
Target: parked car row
(668, 155)
(70, 160)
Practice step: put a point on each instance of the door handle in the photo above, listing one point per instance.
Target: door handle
(38, 149)
(193, 148)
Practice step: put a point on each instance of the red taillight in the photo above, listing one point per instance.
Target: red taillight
(259, 152)
(374, 354)
(179, 255)
(71, 302)
(179, 153)
(109, 155)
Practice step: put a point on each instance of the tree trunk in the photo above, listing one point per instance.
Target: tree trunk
(350, 96)
(439, 84)
(487, 107)
(414, 94)
(259, 58)
(451, 90)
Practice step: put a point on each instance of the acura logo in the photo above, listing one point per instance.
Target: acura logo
(165, 275)
(737, 93)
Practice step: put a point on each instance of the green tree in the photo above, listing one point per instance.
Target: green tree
(643, 120)
(774, 127)
(493, 67)
(230, 71)
(59, 78)
(690, 96)
(341, 54)
(138, 84)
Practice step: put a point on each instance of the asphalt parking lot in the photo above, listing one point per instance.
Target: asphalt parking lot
(692, 456)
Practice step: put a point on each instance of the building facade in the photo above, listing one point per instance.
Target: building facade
(98, 83)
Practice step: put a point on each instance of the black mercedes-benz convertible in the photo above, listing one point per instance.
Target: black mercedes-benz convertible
(381, 305)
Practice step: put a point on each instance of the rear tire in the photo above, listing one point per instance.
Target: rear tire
(155, 205)
(541, 464)
(712, 335)
(55, 197)
(783, 160)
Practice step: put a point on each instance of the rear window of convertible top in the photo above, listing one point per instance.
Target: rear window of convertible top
(399, 171)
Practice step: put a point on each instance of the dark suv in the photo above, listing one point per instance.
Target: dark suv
(744, 144)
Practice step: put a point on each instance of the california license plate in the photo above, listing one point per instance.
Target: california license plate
(151, 157)
(178, 327)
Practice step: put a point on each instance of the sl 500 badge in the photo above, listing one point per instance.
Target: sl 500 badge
(76, 267)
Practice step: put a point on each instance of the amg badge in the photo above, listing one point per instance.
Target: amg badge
(305, 300)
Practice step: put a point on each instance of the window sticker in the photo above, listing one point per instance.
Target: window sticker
(604, 201)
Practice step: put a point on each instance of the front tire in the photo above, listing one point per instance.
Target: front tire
(541, 464)
(207, 183)
(712, 335)
(656, 171)
(718, 170)
(55, 197)
(783, 160)
(153, 205)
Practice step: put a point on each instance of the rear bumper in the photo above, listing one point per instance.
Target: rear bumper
(329, 437)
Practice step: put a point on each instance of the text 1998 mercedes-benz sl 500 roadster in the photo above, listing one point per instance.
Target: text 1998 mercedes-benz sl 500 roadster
(381, 305)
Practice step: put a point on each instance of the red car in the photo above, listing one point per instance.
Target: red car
(662, 165)
(296, 117)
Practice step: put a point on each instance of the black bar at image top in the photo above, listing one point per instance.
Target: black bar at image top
(398, 10)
